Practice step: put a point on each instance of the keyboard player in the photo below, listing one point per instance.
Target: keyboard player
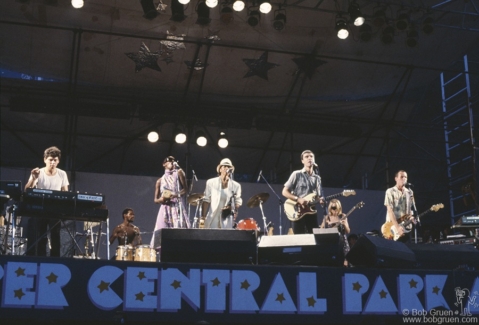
(49, 177)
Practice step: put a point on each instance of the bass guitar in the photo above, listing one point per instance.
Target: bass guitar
(295, 211)
(404, 222)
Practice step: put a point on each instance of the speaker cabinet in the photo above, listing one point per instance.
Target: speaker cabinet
(307, 249)
(373, 251)
(437, 256)
(226, 246)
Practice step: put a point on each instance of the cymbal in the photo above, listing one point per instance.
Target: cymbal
(253, 202)
(194, 198)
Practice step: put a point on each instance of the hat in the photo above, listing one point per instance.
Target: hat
(225, 162)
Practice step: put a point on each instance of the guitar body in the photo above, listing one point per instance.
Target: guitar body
(295, 211)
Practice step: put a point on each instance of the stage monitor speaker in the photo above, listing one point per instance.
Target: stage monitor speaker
(307, 249)
(226, 246)
(373, 251)
(441, 256)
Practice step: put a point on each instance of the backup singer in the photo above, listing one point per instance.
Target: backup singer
(169, 191)
(301, 183)
(333, 220)
(126, 232)
(49, 177)
(218, 194)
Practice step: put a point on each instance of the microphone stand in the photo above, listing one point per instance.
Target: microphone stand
(232, 202)
(178, 201)
(280, 201)
(325, 206)
(195, 219)
(416, 216)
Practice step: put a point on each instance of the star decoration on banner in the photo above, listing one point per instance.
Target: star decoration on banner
(383, 294)
(213, 35)
(216, 282)
(52, 278)
(144, 58)
(197, 66)
(436, 290)
(103, 286)
(141, 275)
(19, 293)
(357, 286)
(311, 301)
(176, 284)
(140, 295)
(171, 43)
(412, 284)
(308, 65)
(245, 285)
(280, 298)
(20, 272)
(259, 67)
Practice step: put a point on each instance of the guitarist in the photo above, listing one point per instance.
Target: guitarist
(399, 201)
(301, 183)
(334, 219)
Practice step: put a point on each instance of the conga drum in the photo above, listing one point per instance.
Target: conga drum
(124, 253)
(145, 253)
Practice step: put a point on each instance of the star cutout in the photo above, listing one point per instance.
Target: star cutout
(140, 295)
(436, 290)
(141, 275)
(176, 284)
(308, 65)
(20, 272)
(245, 285)
(412, 284)
(259, 67)
(19, 294)
(357, 286)
(145, 59)
(197, 66)
(173, 45)
(216, 282)
(383, 294)
(104, 286)
(280, 298)
(52, 278)
(213, 35)
(311, 301)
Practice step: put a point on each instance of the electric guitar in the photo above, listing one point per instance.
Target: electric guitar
(404, 222)
(295, 211)
(357, 206)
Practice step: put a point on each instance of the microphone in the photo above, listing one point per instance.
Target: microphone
(194, 175)
(229, 170)
(259, 176)
(409, 185)
(176, 164)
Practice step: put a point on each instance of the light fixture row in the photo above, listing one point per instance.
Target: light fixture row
(180, 138)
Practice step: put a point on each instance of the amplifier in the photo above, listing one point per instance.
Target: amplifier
(459, 241)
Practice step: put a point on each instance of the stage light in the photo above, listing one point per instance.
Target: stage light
(427, 25)
(211, 3)
(77, 4)
(356, 17)
(180, 136)
(379, 16)
(265, 6)
(203, 12)
(223, 140)
(177, 10)
(201, 139)
(149, 9)
(387, 35)
(226, 15)
(411, 40)
(342, 28)
(365, 33)
(253, 17)
(238, 5)
(402, 21)
(184, 2)
(279, 19)
(153, 136)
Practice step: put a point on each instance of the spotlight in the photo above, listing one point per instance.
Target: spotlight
(149, 9)
(355, 14)
(201, 139)
(180, 136)
(265, 6)
(379, 16)
(238, 5)
(177, 10)
(253, 17)
(387, 36)
(77, 4)
(342, 28)
(203, 13)
(411, 40)
(223, 140)
(211, 3)
(279, 19)
(226, 14)
(402, 21)
(427, 25)
(365, 32)
(153, 136)
(184, 2)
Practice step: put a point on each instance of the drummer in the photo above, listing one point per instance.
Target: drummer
(127, 233)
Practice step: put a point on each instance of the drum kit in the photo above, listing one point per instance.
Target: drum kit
(142, 253)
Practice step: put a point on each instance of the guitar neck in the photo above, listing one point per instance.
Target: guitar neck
(333, 196)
